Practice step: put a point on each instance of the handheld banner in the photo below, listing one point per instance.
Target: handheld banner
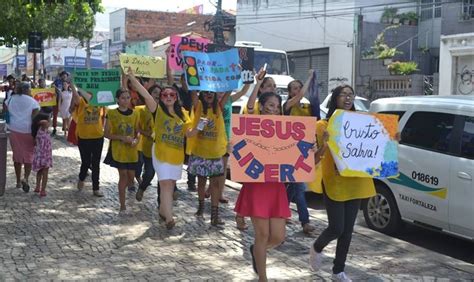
(102, 84)
(272, 148)
(364, 145)
(46, 97)
(216, 72)
(246, 56)
(185, 43)
(145, 66)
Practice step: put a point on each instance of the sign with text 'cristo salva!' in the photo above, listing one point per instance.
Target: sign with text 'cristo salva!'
(144, 66)
(102, 84)
(364, 145)
(273, 148)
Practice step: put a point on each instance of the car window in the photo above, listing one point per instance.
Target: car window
(398, 113)
(429, 130)
(360, 105)
(467, 141)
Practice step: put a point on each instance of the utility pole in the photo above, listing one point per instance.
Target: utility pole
(218, 26)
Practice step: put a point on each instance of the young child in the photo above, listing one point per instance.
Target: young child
(121, 128)
(64, 103)
(43, 154)
(266, 203)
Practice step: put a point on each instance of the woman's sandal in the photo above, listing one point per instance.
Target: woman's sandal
(240, 221)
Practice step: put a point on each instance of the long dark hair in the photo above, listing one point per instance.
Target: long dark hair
(35, 125)
(265, 79)
(267, 95)
(205, 106)
(176, 106)
(291, 83)
(332, 105)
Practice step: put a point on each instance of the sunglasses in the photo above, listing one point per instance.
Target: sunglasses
(166, 95)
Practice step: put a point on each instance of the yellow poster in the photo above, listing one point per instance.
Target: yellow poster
(46, 97)
(144, 66)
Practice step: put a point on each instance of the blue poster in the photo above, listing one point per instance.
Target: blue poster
(217, 72)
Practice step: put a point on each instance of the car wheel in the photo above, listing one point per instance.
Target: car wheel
(381, 211)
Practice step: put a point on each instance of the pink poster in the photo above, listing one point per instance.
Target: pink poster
(185, 43)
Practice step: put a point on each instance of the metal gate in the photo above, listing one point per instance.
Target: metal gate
(317, 59)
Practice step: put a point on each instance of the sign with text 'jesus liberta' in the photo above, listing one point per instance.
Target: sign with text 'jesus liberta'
(102, 84)
(272, 148)
(364, 145)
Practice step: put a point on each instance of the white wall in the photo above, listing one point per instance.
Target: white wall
(117, 19)
(455, 55)
(286, 25)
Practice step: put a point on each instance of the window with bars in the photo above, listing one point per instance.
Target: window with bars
(430, 9)
(467, 12)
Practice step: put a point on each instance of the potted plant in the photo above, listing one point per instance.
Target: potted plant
(402, 68)
(404, 19)
(412, 17)
(388, 15)
(396, 19)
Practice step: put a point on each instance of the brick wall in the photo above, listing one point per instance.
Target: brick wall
(152, 25)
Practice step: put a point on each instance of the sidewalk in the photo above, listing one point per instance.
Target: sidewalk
(72, 235)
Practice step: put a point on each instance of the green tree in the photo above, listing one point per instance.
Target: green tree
(54, 18)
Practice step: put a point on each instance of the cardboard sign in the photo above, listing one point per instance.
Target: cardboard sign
(145, 66)
(216, 72)
(180, 44)
(273, 148)
(102, 84)
(46, 97)
(364, 145)
(246, 56)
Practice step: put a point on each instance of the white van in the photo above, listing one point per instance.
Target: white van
(435, 188)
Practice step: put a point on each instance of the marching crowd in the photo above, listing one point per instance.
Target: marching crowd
(156, 129)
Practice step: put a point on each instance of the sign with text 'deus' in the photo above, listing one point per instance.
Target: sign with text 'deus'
(364, 145)
(272, 148)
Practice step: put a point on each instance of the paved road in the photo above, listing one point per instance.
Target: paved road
(73, 235)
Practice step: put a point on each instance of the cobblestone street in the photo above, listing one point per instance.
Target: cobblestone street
(72, 235)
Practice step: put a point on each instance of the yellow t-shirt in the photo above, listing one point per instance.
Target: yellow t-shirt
(256, 108)
(123, 125)
(89, 121)
(340, 188)
(301, 109)
(169, 136)
(211, 142)
(146, 124)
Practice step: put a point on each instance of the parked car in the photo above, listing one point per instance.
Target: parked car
(360, 104)
(435, 188)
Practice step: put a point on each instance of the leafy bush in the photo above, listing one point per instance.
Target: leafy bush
(403, 68)
(388, 53)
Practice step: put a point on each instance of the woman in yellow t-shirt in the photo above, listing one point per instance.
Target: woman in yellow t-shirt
(172, 124)
(207, 150)
(121, 128)
(342, 195)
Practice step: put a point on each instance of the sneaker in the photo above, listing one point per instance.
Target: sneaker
(315, 258)
(341, 276)
(139, 194)
(80, 185)
(307, 229)
(132, 189)
(97, 193)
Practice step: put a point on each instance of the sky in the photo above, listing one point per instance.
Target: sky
(102, 20)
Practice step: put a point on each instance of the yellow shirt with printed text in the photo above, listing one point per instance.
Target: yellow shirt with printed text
(169, 136)
(89, 120)
(339, 188)
(211, 142)
(123, 125)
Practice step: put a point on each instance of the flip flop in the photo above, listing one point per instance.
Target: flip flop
(25, 186)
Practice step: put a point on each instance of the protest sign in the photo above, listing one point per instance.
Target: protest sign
(216, 72)
(145, 66)
(246, 56)
(46, 97)
(272, 148)
(102, 84)
(184, 43)
(364, 145)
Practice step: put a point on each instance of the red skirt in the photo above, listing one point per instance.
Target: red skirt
(71, 134)
(264, 200)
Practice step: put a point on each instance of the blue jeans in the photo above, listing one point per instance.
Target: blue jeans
(295, 192)
(148, 171)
